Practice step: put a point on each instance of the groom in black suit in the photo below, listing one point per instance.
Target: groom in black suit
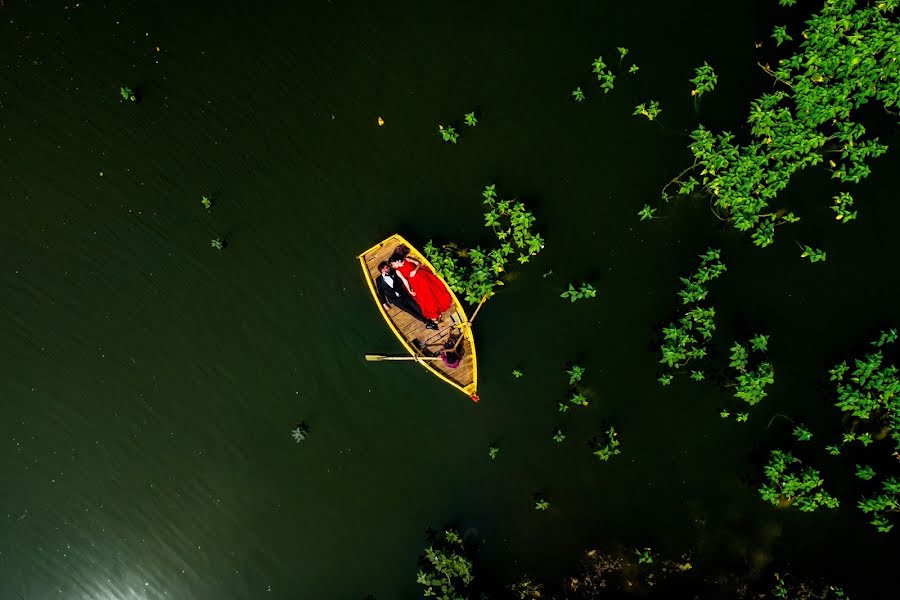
(392, 291)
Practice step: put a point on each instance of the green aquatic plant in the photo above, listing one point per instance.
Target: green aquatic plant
(493, 452)
(577, 94)
(780, 35)
(585, 290)
(300, 432)
(697, 375)
(448, 134)
(444, 569)
(563, 407)
(647, 213)
(470, 119)
(644, 556)
(604, 75)
(558, 436)
(665, 379)
(704, 81)
(841, 206)
(578, 399)
(633, 69)
(649, 109)
(127, 93)
(217, 243)
(802, 433)
(813, 254)
(623, 52)
(541, 503)
(846, 59)
(685, 339)
(517, 373)
(869, 394)
(750, 380)
(207, 202)
(865, 472)
(788, 484)
(475, 272)
(606, 445)
(575, 374)
(882, 505)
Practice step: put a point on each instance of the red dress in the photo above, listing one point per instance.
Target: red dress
(431, 293)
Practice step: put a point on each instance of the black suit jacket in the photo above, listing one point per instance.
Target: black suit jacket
(389, 295)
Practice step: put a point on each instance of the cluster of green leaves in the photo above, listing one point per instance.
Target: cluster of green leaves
(127, 93)
(869, 392)
(604, 75)
(881, 505)
(448, 134)
(585, 290)
(704, 81)
(802, 433)
(814, 255)
(541, 503)
(789, 484)
(578, 95)
(841, 206)
(750, 381)
(300, 432)
(207, 202)
(847, 58)
(576, 395)
(493, 451)
(217, 243)
(647, 213)
(644, 556)
(606, 444)
(685, 339)
(445, 571)
(649, 109)
(470, 119)
(517, 373)
(558, 436)
(477, 277)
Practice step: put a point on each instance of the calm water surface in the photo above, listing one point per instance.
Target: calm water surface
(149, 383)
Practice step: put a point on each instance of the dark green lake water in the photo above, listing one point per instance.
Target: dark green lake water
(149, 383)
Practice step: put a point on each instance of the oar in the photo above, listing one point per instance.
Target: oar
(382, 357)
(468, 323)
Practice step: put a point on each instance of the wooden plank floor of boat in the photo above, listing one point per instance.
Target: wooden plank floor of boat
(412, 329)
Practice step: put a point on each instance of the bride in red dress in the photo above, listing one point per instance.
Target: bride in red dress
(429, 291)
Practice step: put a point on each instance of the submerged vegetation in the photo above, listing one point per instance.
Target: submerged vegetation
(475, 272)
(848, 57)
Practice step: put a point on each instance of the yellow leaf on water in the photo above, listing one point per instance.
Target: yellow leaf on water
(380, 121)
(839, 217)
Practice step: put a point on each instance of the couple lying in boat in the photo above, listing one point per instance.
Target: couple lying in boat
(412, 287)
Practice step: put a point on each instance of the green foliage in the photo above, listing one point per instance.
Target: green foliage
(558, 436)
(644, 556)
(517, 373)
(606, 444)
(633, 69)
(847, 58)
(650, 110)
(206, 201)
(475, 272)
(841, 206)
(578, 95)
(802, 433)
(448, 134)
(665, 379)
(833, 450)
(697, 375)
(563, 407)
(869, 392)
(578, 399)
(300, 432)
(685, 339)
(541, 503)
(217, 243)
(470, 119)
(865, 472)
(813, 254)
(750, 381)
(880, 506)
(788, 484)
(604, 75)
(704, 81)
(444, 570)
(575, 374)
(585, 290)
(646, 212)
(781, 35)
(127, 94)
(493, 452)
(622, 52)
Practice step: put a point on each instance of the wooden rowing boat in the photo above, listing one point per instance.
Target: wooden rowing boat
(416, 339)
